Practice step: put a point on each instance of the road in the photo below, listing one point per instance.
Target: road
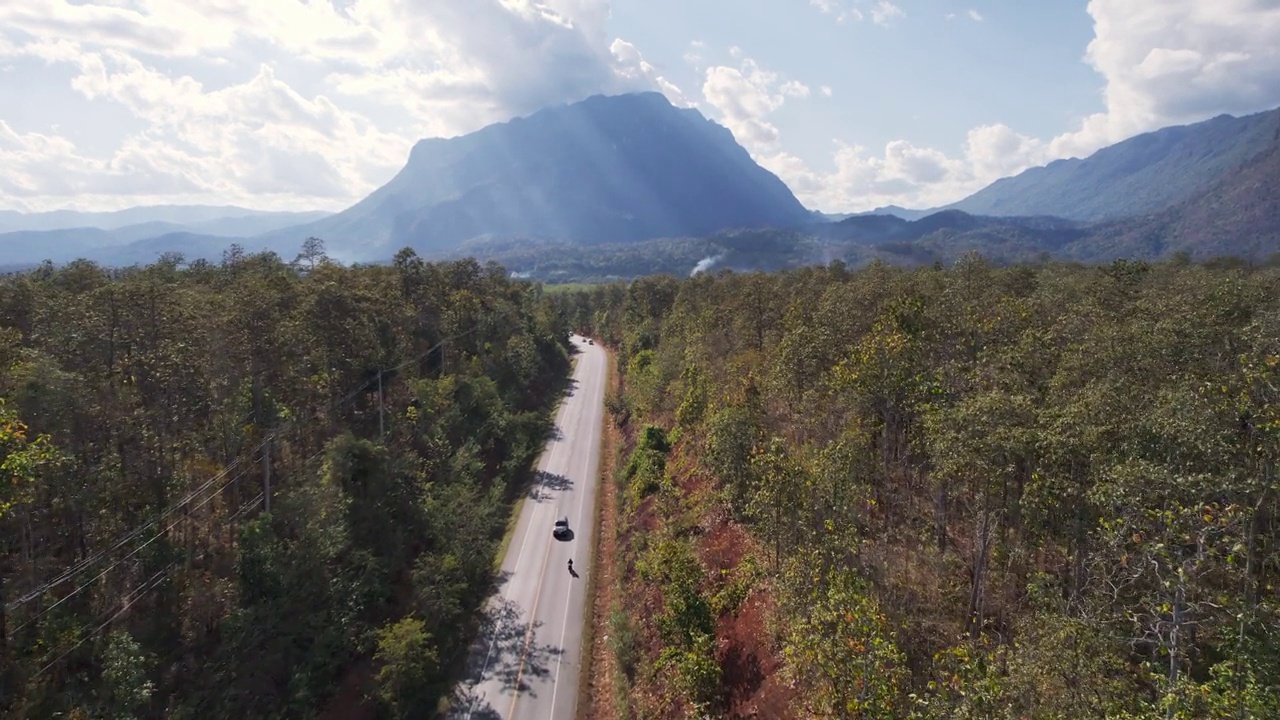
(526, 662)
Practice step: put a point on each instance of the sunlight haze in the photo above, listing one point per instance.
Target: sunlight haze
(854, 104)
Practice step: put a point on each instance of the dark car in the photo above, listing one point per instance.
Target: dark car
(561, 530)
(590, 341)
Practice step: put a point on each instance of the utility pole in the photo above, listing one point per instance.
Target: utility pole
(381, 425)
(4, 634)
(266, 474)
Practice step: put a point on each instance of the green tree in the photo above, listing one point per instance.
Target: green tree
(125, 667)
(407, 677)
(840, 647)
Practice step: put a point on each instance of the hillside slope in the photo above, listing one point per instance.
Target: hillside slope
(1239, 216)
(1139, 176)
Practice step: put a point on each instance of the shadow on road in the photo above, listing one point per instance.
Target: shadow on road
(499, 580)
(545, 483)
(495, 671)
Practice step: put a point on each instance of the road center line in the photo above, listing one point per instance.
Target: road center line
(564, 624)
(537, 597)
(524, 541)
(528, 635)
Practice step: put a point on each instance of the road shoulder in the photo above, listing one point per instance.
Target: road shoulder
(596, 686)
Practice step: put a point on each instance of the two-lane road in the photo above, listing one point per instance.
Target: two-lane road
(527, 660)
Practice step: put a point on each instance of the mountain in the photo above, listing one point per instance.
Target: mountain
(25, 248)
(1137, 177)
(897, 211)
(877, 230)
(215, 220)
(606, 169)
(140, 242)
(251, 225)
(1239, 215)
(192, 246)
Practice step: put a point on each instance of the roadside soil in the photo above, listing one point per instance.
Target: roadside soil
(351, 701)
(596, 686)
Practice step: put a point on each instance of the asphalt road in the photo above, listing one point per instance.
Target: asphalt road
(527, 660)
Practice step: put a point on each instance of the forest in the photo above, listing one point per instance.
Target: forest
(945, 492)
(248, 488)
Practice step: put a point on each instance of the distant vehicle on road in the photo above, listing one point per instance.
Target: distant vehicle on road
(561, 530)
(590, 341)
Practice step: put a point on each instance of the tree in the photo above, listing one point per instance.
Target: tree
(840, 647)
(312, 254)
(125, 667)
(409, 665)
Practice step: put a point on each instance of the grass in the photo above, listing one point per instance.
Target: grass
(552, 289)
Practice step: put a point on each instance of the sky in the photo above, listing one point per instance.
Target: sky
(855, 104)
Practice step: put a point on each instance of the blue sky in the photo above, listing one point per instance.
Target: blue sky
(924, 77)
(303, 104)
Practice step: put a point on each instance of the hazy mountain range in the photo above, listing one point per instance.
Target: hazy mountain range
(67, 234)
(632, 170)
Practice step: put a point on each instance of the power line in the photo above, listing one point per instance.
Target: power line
(248, 506)
(85, 564)
(134, 597)
(158, 577)
(117, 563)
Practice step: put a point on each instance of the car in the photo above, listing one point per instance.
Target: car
(561, 529)
(590, 341)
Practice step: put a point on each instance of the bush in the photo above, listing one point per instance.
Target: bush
(622, 640)
(740, 584)
(619, 407)
(654, 437)
(697, 672)
(648, 464)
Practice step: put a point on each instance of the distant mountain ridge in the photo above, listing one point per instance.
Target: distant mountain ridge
(1139, 176)
(115, 243)
(207, 217)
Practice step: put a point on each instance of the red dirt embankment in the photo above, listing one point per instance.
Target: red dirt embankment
(596, 686)
(745, 649)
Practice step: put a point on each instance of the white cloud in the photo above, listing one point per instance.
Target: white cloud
(885, 12)
(1177, 61)
(974, 15)
(881, 12)
(826, 91)
(795, 89)
(842, 10)
(289, 103)
(631, 65)
(693, 55)
(905, 174)
(996, 151)
(743, 96)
